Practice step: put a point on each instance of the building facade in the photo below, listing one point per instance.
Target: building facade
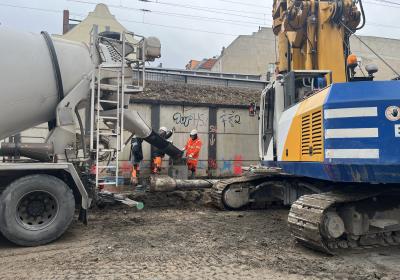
(99, 20)
(252, 54)
(248, 54)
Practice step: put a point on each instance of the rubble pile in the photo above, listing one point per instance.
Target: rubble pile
(161, 91)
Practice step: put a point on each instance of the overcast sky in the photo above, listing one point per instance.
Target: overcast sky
(196, 31)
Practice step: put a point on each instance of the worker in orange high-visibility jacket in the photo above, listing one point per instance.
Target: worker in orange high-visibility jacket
(193, 148)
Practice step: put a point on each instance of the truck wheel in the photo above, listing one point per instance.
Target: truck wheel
(35, 210)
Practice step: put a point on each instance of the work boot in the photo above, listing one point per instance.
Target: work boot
(192, 175)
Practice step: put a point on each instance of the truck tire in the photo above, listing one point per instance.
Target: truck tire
(36, 210)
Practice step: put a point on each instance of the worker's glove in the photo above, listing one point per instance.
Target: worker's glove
(190, 156)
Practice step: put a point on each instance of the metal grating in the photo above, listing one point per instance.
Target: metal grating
(311, 134)
(202, 78)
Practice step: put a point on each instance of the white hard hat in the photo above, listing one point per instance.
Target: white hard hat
(163, 128)
(193, 132)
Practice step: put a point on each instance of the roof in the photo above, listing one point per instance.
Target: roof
(100, 17)
(161, 92)
(192, 64)
(207, 64)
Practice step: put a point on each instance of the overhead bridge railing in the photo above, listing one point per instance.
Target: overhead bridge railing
(203, 78)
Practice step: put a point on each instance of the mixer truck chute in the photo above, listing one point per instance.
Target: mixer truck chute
(50, 80)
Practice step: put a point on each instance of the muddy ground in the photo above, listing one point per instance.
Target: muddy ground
(178, 236)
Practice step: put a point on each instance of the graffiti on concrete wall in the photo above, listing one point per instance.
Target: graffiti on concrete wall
(212, 164)
(213, 139)
(125, 168)
(234, 166)
(230, 119)
(213, 135)
(237, 165)
(192, 119)
(227, 166)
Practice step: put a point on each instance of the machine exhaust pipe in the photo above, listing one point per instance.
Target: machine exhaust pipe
(161, 183)
(39, 151)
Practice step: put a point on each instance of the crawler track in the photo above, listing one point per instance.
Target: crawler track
(219, 188)
(309, 211)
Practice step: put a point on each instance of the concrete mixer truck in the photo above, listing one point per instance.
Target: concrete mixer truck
(82, 92)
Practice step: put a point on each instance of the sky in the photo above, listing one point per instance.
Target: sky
(188, 29)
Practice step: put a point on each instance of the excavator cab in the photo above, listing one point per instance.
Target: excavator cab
(284, 92)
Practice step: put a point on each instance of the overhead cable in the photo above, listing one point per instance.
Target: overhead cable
(196, 17)
(209, 9)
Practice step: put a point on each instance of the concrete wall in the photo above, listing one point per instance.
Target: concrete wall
(251, 54)
(234, 137)
(230, 141)
(228, 134)
(182, 120)
(237, 140)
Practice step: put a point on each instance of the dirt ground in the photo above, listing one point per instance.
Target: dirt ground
(178, 236)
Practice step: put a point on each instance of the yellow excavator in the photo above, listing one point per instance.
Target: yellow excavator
(329, 139)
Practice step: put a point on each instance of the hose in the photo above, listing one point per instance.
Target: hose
(82, 133)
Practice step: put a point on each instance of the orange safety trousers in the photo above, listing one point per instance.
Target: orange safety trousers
(135, 170)
(156, 168)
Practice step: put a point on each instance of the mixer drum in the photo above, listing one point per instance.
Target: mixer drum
(29, 93)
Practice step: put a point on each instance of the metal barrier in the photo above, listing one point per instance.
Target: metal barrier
(203, 78)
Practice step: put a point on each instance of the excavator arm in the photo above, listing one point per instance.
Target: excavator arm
(311, 34)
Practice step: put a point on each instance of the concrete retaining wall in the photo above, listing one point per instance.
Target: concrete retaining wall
(230, 139)
(229, 136)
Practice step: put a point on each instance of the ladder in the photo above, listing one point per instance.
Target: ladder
(114, 65)
(108, 124)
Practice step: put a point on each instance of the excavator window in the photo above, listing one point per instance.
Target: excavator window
(299, 85)
(290, 90)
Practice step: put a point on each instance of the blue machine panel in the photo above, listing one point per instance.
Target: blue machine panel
(355, 97)
(361, 135)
